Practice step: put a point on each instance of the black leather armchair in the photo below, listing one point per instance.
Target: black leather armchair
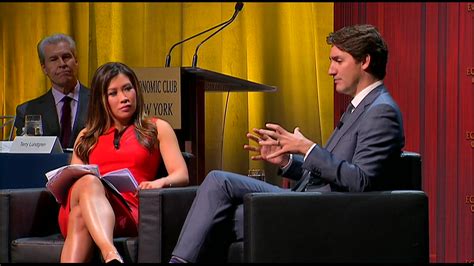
(379, 226)
(29, 230)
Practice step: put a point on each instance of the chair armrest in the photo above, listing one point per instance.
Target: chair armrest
(411, 176)
(161, 215)
(385, 226)
(26, 212)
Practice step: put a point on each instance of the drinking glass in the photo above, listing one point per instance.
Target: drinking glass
(257, 174)
(33, 125)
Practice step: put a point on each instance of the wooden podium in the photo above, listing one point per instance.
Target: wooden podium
(194, 83)
(176, 94)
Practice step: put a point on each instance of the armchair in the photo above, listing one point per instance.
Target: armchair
(29, 230)
(378, 226)
(382, 227)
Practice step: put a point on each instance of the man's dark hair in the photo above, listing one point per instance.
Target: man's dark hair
(360, 41)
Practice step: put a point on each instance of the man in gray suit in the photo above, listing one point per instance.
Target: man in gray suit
(361, 155)
(57, 55)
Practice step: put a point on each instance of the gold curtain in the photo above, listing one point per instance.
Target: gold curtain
(280, 44)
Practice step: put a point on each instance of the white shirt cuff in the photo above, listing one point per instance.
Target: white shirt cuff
(288, 164)
(309, 151)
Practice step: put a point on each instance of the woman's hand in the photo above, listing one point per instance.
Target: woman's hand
(158, 183)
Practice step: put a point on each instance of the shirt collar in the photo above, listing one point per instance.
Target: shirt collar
(361, 95)
(58, 96)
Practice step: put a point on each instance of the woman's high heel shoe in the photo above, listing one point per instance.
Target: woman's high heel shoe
(113, 257)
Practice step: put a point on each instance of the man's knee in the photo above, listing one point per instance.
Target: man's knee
(214, 181)
(215, 176)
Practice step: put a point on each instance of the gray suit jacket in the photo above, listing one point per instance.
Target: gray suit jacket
(44, 105)
(362, 154)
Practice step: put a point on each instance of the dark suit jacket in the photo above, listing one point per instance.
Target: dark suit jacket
(362, 154)
(45, 106)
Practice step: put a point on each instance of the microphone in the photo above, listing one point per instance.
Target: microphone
(340, 124)
(117, 137)
(238, 7)
(168, 56)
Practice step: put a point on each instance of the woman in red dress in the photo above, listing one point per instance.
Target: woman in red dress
(117, 135)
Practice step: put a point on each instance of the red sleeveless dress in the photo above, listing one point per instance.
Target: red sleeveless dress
(130, 154)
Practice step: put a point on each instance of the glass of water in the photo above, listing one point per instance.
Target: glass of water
(33, 125)
(257, 174)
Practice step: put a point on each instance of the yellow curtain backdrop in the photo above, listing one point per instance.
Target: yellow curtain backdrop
(280, 44)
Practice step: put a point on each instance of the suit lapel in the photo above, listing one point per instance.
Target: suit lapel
(80, 120)
(50, 119)
(330, 140)
(366, 102)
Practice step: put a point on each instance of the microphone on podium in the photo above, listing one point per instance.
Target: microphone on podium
(168, 56)
(238, 7)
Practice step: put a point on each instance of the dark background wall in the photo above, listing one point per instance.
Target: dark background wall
(431, 76)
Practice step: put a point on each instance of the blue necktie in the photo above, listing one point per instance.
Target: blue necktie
(344, 116)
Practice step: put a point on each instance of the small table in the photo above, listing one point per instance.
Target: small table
(21, 170)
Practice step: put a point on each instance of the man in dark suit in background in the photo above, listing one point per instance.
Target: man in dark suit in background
(361, 155)
(66, 103)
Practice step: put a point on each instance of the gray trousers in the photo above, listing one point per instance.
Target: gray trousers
(219, 199)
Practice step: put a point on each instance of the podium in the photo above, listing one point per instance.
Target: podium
(176, 94)
(194, 83)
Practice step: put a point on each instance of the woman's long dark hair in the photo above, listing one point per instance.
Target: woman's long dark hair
(99, 118)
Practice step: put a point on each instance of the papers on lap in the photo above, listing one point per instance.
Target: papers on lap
(62, 178)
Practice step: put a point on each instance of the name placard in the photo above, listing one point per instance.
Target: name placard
(36, 144)
(162, 92)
